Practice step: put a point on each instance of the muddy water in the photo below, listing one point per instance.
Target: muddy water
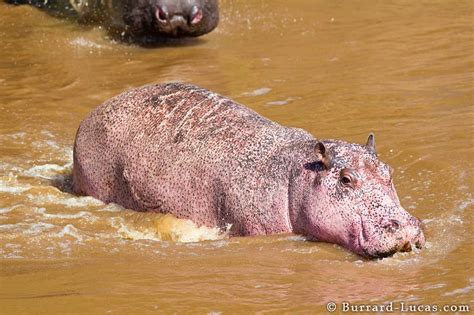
(340, 70)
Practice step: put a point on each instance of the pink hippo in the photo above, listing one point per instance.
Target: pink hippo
(180, 149)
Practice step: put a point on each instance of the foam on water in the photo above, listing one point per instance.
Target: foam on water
(167, 228)
(38, 228)
(86, 43)
(11, 251)
(78, 215)
(12, 186)
(170, 228)
(111, 207)
(52, 148)
(463, 205)
(70, 202)
(131, 233)
(8, 209)
(70, 230)
(26, 228)
(46, 171)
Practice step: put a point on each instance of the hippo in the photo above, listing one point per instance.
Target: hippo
(139, 19)
(179, 149)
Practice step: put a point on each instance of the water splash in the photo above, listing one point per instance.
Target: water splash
(164, 227)
(78, 215)
(70, 230)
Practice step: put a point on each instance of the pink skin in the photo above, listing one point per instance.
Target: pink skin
(355, 204)
(178, 149)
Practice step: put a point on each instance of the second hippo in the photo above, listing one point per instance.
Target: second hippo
(179, 149)
(139, 19)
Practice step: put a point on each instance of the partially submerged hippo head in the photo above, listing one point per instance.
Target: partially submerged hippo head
(172, 18)
(354, 203)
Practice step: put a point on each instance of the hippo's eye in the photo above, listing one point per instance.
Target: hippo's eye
(347, 177)
(346, 180)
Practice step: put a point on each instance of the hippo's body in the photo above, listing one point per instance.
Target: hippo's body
(139, 19)
(183, 150)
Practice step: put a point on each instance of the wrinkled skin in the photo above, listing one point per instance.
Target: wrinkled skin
(178, 149)
(139, 18)
(354, 203)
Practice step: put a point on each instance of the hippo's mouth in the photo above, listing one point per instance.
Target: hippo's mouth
(363, 249)
(362, 238)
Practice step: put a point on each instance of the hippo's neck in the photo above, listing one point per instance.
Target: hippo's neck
(303, 175)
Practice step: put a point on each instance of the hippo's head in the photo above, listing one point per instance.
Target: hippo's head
(353, 202)
(172, 18)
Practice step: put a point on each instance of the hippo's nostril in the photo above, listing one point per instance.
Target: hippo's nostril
(162, 14)
(196, 15)
(406, 247)
(418, 245)
(393, 225)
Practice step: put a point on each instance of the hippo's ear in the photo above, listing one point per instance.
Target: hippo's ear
(371, 143)
(323, 155)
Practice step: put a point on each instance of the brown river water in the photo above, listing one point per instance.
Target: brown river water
(338, 69)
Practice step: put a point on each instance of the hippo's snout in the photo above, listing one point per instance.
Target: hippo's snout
(418, 242)
(178, 19)
(413, 235)
(419, 239)
(404, 235)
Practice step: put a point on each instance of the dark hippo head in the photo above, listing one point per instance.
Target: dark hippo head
(353, 202)
(171, 18)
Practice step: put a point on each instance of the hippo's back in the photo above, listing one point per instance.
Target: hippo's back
(159, 143)
(180, 117)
